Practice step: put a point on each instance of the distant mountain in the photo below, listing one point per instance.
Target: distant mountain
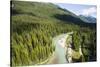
(88, 19)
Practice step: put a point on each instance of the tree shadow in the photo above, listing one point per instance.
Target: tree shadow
(73, 20)
(68, 18)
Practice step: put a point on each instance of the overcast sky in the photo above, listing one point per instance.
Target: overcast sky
(87, 10)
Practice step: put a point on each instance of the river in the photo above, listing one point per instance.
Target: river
(59, 56)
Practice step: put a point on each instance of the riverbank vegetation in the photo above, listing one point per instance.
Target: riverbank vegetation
(86, 41)
(33, 25)
(76, 56)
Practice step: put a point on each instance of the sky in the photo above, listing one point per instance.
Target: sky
(87, 10)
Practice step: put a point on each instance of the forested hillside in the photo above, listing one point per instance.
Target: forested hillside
(34, 24)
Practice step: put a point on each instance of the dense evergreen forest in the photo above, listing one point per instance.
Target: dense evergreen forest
(87, 42)
(33, 25)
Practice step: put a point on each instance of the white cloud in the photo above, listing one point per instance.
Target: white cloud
(89, 11)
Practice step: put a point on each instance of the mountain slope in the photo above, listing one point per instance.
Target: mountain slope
(88, 19)
(47, 11)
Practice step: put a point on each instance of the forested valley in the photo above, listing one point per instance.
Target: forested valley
(33, 25)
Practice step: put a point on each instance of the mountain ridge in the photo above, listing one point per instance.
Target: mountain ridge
(88, 19)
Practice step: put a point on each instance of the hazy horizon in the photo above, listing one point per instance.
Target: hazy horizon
(86, 10)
